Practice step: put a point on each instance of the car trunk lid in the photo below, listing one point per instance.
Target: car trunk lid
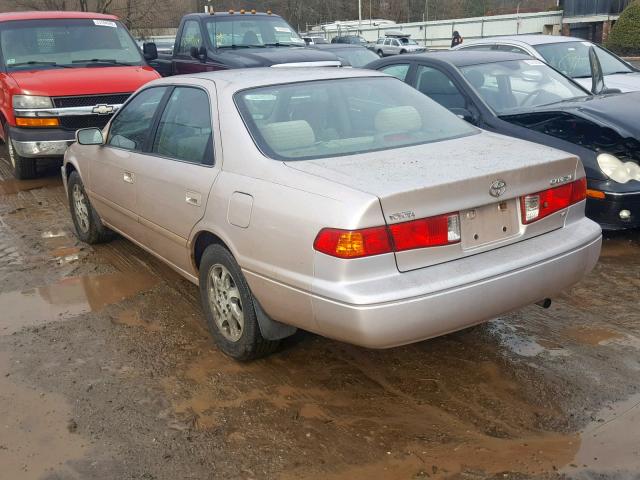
(455, 176)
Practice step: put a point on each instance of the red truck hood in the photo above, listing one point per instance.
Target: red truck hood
(83, 81)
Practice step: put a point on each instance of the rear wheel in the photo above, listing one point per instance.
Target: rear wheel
(89, 227)
(402, 51)
(229, 307)
(23, 168)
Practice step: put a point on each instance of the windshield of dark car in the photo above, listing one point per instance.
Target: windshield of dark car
(251, 31)
(520, 85)
(357, 56)
(329, 118)
(66, 42)
(572, 59)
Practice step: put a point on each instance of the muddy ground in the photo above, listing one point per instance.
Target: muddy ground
(107, 372)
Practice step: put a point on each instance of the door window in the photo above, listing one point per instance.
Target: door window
(439, 87)
(511, 48)
(130, 128)
(387, 41)
(191, 37)
(399, 71)
(184, 132)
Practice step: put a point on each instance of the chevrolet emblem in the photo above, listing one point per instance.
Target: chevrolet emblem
(103, 109)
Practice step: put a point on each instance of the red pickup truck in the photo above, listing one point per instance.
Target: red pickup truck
(59, 72)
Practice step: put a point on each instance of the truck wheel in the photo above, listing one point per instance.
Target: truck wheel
(88, 225)
(228, 306)
(380, 54)
(23, 168)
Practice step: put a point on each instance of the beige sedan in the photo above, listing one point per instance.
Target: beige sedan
(338, 201)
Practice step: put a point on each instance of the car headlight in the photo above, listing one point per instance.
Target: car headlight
(31, 101)
(617, 170)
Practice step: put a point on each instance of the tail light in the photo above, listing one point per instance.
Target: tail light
(542, 204)
(422, 233)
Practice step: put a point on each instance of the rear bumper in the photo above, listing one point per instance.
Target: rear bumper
(607, 212)
(41, 142)
(437, 300)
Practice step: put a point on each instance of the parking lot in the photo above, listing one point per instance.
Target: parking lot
(107, 371)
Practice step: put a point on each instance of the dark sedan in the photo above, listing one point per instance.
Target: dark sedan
(516, 95)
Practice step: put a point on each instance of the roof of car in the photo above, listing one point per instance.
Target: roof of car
(44, 15)
(527, 39)
(338, 46)
(462, 58)
(229, 14)
(241, 78)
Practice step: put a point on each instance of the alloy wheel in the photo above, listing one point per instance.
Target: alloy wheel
(80, 208)
(225, 301)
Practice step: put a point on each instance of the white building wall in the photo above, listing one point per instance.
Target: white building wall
(437, 34)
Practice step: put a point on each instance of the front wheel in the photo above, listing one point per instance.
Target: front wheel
(402, 51)
(89, 227)
(228, 305)
(380, 54)
(23, 168)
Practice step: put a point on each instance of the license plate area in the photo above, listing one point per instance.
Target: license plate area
(489, 223)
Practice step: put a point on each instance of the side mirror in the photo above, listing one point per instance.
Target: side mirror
(150, 51)
(597, 76)
(465, 115)
(199, 53)
(90, 136)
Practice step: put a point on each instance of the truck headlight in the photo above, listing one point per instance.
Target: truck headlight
(617, 170)
(31, 101)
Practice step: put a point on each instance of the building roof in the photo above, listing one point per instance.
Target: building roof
(44, 15)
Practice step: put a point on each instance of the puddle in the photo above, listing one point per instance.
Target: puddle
(13, 186)
(34, 436)
(62, 252)
(611, 444)
(523, 345)
(133, 318)
(591, 336)
(67, 298)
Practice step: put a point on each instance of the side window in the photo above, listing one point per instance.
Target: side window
(399, 71)
(191, 37)
(387, 41)
(511, 48)
(380, 41)
(439, 87)
(480, 48)
(184, 131)
(396, 43)
(130, 128)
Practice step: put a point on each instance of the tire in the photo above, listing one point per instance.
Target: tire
(228, 305)
(402, 51)
(23, 168)
(89, 227)
(380, 54)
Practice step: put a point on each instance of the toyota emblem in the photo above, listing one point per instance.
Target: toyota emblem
(498, 188)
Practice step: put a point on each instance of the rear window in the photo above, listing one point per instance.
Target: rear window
(328, 118)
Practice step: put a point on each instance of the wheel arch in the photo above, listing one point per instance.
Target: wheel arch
(201, 240)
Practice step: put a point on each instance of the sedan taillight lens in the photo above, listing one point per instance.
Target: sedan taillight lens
(542, 204)
(425, 232)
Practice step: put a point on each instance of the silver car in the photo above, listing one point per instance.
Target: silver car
(339, 201)
(396, 45)
(568, 54)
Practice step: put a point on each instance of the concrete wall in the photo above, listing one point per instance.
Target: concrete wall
(437, 34)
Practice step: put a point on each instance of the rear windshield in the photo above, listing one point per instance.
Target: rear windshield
(59, 43)
(572, 59)
(336, 117)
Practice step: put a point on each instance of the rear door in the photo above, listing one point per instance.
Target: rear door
(176, 175)
(114, 169)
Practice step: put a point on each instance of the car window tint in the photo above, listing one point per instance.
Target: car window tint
(330, 118)
(399, 71)
(184, 131)
(191, 37)
(439, 87)
(130, 127)
(511, 48)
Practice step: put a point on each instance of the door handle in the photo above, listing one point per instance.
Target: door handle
(193, 198)
(128, 177)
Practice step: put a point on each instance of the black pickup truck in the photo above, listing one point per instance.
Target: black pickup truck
(243, 39)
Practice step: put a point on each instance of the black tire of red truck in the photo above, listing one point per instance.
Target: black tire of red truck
(23, 168)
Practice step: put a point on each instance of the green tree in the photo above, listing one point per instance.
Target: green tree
(624, 38)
